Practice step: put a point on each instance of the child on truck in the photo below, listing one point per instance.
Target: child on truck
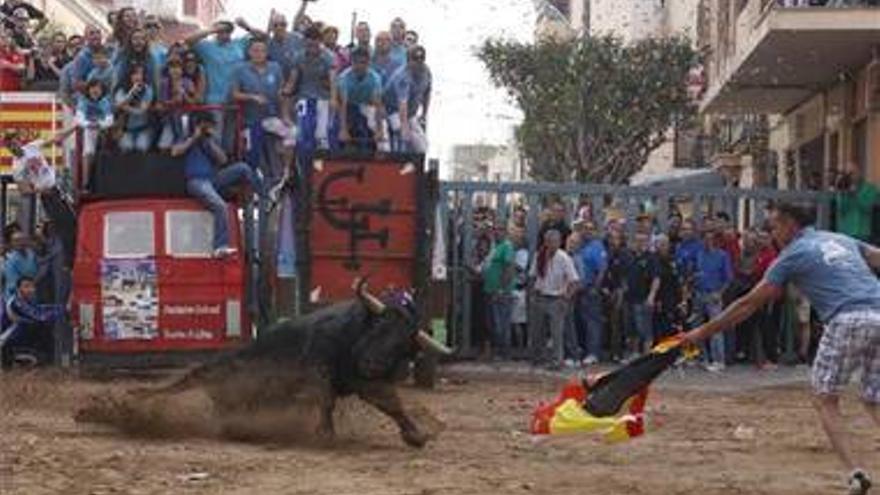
(93, 115)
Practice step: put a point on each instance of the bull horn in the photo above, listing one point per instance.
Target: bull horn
(372, 302)
(429, 344)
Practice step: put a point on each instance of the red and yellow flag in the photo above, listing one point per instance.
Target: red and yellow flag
(33, 114)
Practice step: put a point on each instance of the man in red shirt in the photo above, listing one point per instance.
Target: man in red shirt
(12, 64)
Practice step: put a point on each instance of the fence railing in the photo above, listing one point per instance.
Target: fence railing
(459, 201)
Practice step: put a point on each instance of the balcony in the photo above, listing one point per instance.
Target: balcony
(774, 57)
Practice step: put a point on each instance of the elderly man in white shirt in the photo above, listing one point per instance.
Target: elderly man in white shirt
(555, 279)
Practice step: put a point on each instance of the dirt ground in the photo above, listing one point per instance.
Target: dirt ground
(484, 448)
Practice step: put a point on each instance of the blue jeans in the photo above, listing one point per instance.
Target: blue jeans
(209, 192)
(500, 312)
(593, 320)
(710, 306)
(641, 321)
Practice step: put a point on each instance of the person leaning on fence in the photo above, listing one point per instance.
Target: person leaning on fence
(202, 154)
(361, 112)
(835, 273)
(133, 100)
(554, 280)
(408, 92)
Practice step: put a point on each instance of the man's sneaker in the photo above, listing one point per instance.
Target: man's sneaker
(590, 360)
(859, 483)
(224, 251)
(715, 367)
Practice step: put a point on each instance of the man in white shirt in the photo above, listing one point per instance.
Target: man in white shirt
(555, 279)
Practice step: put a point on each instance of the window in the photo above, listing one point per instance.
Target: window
(189, 234)
(128, 234)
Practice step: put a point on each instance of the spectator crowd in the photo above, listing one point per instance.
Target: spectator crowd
(598, 293)
(293, 83)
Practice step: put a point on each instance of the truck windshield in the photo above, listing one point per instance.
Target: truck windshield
(188, 233)
(129, 234)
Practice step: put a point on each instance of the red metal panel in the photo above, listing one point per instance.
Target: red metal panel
(363, 222)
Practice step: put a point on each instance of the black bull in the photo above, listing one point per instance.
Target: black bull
(357, 347)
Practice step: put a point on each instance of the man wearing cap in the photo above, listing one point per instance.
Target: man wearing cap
(408, 94)
(202, 156)
(18, 12)
(220, 58)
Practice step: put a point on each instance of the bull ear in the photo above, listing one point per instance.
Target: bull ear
(370, 301)
(428, 343)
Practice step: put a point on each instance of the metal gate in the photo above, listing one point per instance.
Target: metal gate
(458, 202)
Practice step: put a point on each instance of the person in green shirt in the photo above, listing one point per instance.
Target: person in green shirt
(855, 203)
(499, 281)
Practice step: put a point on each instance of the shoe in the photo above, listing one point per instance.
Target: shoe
(224, 251)
(570, 363)
(590, 360)
(715, 367)
(859, 483)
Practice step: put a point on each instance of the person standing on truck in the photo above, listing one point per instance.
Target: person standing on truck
(220, 58)
(202, 155)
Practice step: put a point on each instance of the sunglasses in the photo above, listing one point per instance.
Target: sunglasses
(152, 26)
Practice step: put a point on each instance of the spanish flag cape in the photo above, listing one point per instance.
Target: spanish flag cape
(612, 405)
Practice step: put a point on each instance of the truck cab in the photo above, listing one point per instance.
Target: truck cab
(147, 289)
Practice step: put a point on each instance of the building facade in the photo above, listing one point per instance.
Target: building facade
(812, 73)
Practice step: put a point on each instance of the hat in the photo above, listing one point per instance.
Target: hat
(21, 13)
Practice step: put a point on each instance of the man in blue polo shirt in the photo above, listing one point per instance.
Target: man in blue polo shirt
(202, 154)
(836, 274)
(361, 112)
(594, 262)
(220, 58)
(257, 86)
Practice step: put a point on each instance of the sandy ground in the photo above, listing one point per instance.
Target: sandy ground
(483, 450)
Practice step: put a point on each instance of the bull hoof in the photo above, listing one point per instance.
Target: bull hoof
(414, 438)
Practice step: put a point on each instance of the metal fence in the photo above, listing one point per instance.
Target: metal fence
(458, 201)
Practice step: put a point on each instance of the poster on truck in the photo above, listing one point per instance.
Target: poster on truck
(130, 299)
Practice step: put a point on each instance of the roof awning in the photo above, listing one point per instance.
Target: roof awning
(792, 54)
(698, 177)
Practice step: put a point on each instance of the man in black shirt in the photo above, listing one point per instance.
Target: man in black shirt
(668, 313)
(642, 283)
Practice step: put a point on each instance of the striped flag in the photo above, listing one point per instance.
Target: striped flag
(35, 116)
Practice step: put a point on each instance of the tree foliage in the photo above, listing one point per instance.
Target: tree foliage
(594, 107)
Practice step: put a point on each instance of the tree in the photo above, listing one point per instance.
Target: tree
(594, 107)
